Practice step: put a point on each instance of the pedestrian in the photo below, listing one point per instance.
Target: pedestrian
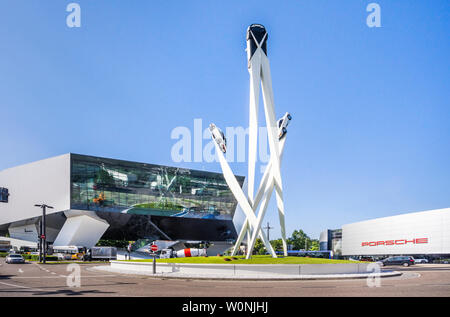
(129, 251)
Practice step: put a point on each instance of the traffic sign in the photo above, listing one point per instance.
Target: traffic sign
(154, 248)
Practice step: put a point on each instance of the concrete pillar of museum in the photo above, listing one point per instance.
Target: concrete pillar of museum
(30, 231)
(81, 229)
(27, 232)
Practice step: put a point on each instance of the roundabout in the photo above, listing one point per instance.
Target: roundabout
(50, 280)
(304, 269)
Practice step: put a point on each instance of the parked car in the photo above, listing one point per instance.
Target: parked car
(63, 256)
(366, 259)
(101, 254)
(398, 260)
(420, 261)
(14, 258)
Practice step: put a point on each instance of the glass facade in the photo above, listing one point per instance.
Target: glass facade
(107, 185)
(331, 240)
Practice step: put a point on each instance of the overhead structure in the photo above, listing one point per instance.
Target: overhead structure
(259, 69)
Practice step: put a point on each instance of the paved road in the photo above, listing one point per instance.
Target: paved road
(33, 279)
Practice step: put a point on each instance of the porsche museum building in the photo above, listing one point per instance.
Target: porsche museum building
(420, 234)
(99, 198)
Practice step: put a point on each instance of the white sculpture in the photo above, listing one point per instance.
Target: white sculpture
(259, 69)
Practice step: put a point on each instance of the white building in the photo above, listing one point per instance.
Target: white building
(418, 233)
(94, 197)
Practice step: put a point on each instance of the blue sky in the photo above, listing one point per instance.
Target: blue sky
(370, 135)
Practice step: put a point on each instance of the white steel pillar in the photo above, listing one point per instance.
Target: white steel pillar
(259, 70)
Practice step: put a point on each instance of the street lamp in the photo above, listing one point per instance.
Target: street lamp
(42, 233)
(268, 228)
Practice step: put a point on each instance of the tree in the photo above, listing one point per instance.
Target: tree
(314, 245)
(259, 247)
(104, 179)
(298, 239)
(277, 245)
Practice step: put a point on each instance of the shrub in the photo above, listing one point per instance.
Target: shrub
(34, 257)
(113, 243)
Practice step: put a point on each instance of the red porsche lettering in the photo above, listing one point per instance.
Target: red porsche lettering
(394, 242)
(422, 240)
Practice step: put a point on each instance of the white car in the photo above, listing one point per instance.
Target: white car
(218, 136)
(420, 261)
(282, 125)
(14, 258)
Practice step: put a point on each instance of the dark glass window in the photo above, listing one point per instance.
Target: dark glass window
(101, 184)
(4, 193)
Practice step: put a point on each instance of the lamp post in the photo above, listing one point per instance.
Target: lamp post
(268, 228)
(42, 233)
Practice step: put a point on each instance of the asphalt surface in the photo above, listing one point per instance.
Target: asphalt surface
(32, 279)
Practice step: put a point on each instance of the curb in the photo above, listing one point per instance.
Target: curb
(249, 278)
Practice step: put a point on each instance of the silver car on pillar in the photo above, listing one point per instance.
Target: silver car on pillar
(218, 136)
(282, 125)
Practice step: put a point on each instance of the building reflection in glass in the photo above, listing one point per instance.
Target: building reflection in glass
(101, 184)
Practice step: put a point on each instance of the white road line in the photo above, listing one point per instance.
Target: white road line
(20, 286)
(59, 276)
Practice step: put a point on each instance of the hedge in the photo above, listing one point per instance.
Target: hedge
(32, 257)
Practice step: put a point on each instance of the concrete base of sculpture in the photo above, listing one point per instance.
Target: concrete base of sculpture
(247, 271)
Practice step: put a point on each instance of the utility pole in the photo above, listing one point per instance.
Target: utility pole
(268, 228)
(43, 234)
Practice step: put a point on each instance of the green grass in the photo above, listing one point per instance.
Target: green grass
(256, 259)
(77, 262)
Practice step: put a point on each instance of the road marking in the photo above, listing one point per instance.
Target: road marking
(7, 284)
(20, 286)
(59, 276)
